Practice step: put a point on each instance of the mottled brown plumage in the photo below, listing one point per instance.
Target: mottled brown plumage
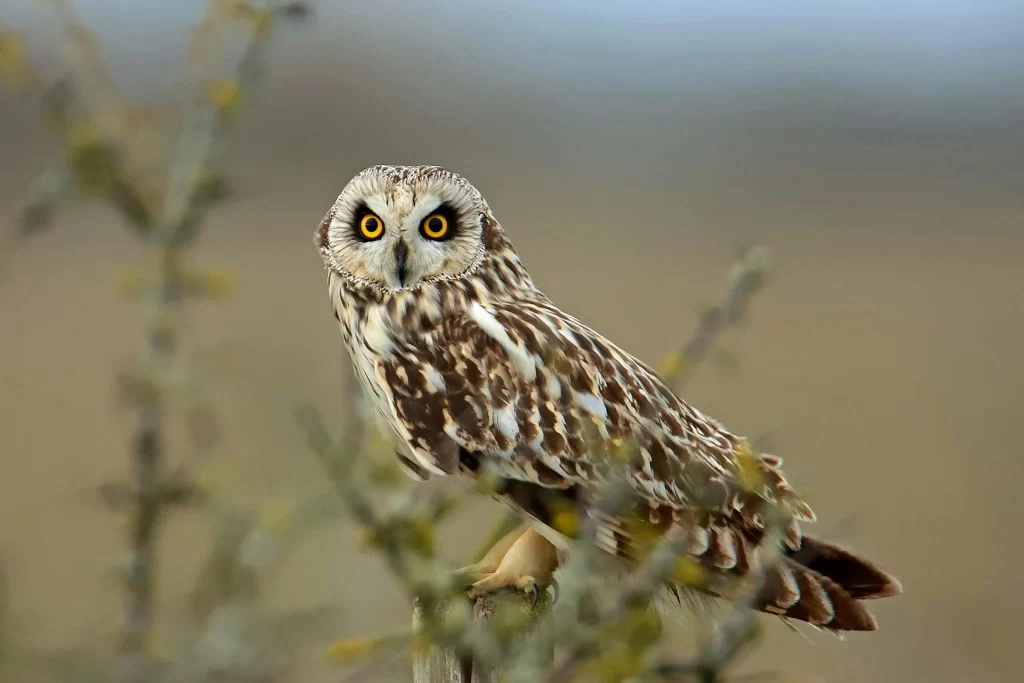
(465, 360)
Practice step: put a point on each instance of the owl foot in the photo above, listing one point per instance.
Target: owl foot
(523, 560)
(494, 582)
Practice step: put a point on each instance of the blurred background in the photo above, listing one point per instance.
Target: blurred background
(629, 149)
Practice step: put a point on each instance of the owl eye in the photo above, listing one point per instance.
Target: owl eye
(435, 226)
(371, 227)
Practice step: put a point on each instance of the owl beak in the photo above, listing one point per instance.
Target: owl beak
(401, 253)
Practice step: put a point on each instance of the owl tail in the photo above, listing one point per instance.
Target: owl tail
(824, 585)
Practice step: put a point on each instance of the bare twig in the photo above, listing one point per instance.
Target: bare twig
(746, 278)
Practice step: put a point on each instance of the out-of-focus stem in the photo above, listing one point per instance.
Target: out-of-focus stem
(745, 279)
(147, 454)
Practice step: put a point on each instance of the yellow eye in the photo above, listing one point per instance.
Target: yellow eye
(371, 227)
(435, 227)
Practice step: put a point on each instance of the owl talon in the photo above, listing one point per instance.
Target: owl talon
(528, 584)
(494, 583)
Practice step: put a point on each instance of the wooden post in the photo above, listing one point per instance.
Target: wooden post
(437, 664)
(443, 664)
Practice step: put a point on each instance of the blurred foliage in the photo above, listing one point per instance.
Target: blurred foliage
(158, 168)
(607, 624)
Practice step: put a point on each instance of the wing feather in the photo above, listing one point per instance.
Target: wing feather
(533, 389)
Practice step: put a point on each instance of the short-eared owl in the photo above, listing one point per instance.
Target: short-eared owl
(465, 361)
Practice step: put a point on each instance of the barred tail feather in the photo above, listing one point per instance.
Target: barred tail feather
(824, 586)
(857, 576)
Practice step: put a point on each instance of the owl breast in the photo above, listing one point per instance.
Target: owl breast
(368, 336)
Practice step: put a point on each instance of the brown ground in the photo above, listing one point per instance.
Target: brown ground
(885, 354)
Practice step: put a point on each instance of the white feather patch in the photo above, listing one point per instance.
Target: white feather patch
(435, 382)
(427, 461)
(524, 365)
(554, 387)
(592, 404)
(505, 421)
(375, 332)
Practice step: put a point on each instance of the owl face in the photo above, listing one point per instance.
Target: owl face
(396, 227)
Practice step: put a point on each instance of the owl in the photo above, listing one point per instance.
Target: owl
(470, 368)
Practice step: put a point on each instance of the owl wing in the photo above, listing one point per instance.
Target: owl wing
(534, 390)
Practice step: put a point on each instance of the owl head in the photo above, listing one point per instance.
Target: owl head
(397, 227)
